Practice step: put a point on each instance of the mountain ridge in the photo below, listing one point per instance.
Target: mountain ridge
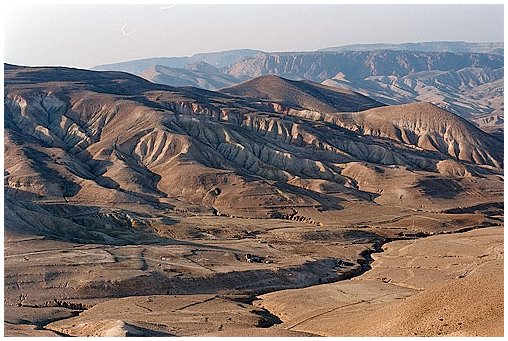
(468, 84)
(117, 137)
(429, 46)
(306, 94)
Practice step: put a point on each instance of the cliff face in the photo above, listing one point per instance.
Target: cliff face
(319, 66)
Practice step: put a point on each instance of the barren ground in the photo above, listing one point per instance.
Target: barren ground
(195, 286)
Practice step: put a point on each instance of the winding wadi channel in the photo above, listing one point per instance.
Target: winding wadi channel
(448, 284)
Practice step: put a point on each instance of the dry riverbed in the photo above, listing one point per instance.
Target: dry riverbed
(445, 285)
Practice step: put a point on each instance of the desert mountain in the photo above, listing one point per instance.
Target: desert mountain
(132, 208)
(102, 137)
(394, 77)
(431, 46)
(216, 59)
(428, 127)
(319, 66)
(469, 92)
(464, 78)
(199, 74)
(302, 94)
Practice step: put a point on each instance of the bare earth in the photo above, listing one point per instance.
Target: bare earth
(426, 287)
(448, 285)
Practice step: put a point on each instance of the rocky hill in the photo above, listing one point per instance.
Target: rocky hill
(302, 94)
(105, 137)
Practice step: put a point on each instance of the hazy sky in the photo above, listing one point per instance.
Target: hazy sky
(87, 35)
